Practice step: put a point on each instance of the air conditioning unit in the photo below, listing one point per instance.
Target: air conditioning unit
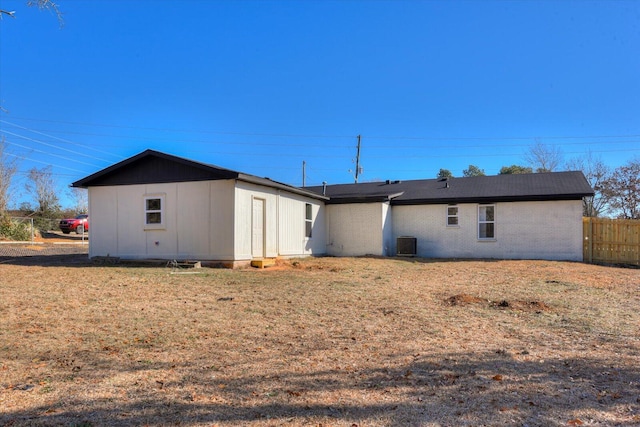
(406, 246)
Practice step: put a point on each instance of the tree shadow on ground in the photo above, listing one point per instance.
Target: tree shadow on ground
(457, 389)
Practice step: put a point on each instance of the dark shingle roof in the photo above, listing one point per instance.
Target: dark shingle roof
(152, 166)
(481, 189)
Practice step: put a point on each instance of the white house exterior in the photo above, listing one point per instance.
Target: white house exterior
(228, 220)
(530, 216)
(158, 206)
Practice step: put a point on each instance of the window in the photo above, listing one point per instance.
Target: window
(154, 211)
(308, 219)
(452, 216)
(486, 222)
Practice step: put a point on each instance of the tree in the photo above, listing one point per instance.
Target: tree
(545, 158)
(444, 173)
(623, 190)
(40, 4)
(43, 188)
(515, 169)
(473, 171)
(80, 197)
(8, 169)
(596, 173)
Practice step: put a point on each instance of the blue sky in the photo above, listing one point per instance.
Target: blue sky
(261, 86)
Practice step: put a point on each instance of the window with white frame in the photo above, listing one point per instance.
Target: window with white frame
(452, 216)
(308, 220)
(486, 222)
(154, 211)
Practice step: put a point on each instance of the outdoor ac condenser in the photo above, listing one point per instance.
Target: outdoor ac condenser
(406, 246)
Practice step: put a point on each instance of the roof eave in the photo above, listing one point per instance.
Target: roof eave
(496, 199)
(87, 181)
(252, 179)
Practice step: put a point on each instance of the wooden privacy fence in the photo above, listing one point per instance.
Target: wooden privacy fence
(611, 241)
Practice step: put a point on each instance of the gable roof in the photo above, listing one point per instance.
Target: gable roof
(152, 167)
(480, 189)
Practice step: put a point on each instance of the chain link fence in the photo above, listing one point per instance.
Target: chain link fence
(24, 229)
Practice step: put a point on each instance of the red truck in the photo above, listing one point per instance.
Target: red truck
(79, 224)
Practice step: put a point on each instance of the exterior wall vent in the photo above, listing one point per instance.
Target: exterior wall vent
(406, 246)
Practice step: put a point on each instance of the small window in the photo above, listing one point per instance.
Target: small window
(486, 222)
(154, 211)
(308, 219)
(452, 216)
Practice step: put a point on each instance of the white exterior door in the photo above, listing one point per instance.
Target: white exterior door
(257, 229)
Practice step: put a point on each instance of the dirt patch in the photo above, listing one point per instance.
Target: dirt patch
(465, 299)
(327, 341)
(531, 306)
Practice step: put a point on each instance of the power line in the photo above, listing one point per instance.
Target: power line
(62, 140)
(45, 163)
(329, 136)
(53, 146)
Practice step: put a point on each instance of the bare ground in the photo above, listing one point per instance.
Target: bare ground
(326, 341)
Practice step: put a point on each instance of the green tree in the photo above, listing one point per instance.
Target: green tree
(473, 171)
(444, 173)
(515, 169)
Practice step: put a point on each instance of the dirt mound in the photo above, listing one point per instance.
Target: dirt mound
(532, 306)
(529, 306)
(464, 299)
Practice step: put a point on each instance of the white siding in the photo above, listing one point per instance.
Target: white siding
(387, 230)
(524, 230)
(284, 222)
(103, 220)
(198, 218)
(291, 226)
(356, 229)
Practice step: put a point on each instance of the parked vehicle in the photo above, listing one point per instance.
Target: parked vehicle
(79, 224)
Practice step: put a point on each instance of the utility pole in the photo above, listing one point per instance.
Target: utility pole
(358, 160)
(304, 165)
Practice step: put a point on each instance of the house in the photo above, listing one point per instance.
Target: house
(522, 216)
(159, 206)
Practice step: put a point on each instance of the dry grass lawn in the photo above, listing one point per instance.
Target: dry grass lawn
(326, 341)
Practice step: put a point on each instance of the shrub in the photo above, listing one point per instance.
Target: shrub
(14, 230)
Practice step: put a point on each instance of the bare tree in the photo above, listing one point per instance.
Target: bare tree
(596, 173)
(8, 168)
(544, 158)
(43, 188)
(623, 190)
(80, 197)
(40, 4)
